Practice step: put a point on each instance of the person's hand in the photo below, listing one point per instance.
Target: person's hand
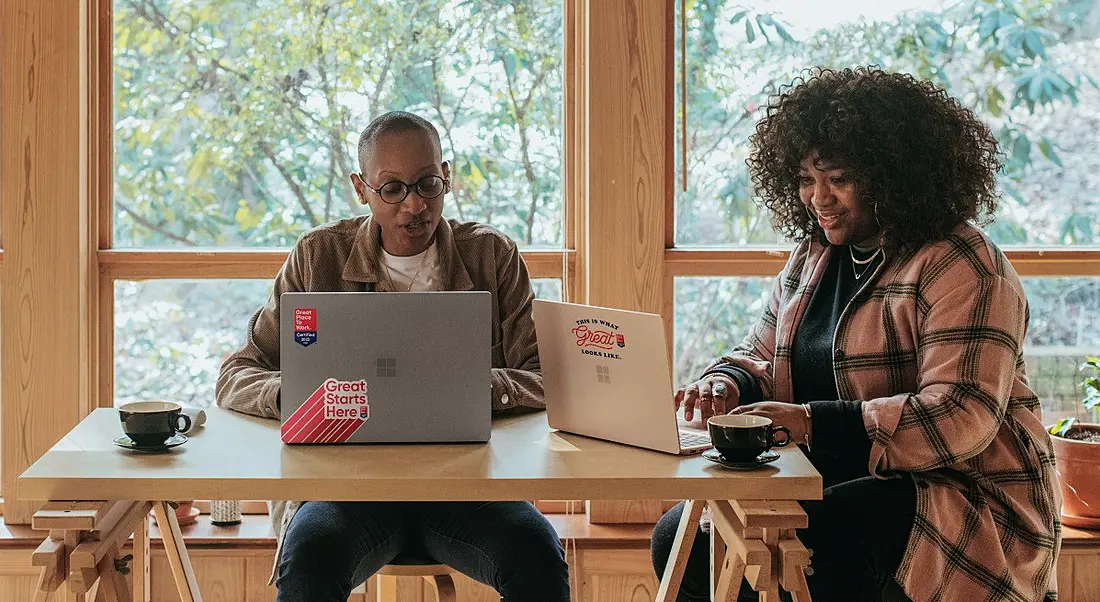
(712, 394)
(791, 415)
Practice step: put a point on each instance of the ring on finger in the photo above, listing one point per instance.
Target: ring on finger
(719, 389)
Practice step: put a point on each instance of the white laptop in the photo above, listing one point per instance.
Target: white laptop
(606, 374)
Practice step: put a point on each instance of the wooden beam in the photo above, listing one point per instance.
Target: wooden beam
(725, 262)
(1051, 262)
(770, 513)
(260, 263)
(99, 124)
(87, 516)
(626, 163)
(44, 159)
(626, 167)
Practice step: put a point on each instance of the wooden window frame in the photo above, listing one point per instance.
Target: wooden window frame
(618, 179)
(687, 262)
(768, 260)
(141, 264)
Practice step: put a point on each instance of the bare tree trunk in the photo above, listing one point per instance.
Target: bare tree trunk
(294, 186)
(437, 104)
(520, 114)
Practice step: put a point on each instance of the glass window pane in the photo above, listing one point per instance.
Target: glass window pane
(171, 336)
(714, 314)
(1063, 331)
(547, 288)
(233, 130)
(1030, 72)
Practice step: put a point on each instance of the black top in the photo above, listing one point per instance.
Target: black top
(839, 436)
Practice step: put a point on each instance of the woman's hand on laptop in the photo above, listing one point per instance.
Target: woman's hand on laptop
(712, 394)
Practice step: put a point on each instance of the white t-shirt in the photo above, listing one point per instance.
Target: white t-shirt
(424, 268)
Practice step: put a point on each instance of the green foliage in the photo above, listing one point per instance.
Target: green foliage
(1062, 427)
(1091, 383)
(1009, 60)
(239, 130)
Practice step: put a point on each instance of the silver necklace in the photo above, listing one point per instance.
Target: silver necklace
(855, 262)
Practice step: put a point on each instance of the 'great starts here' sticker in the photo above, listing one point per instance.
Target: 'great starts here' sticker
(305, 326)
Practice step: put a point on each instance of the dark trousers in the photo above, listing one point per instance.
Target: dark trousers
(331, 547)
(858, 533)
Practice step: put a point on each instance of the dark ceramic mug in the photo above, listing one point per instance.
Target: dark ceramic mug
(743, 437)
(152, 423)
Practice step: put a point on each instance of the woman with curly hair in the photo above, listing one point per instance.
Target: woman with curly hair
(892, 350)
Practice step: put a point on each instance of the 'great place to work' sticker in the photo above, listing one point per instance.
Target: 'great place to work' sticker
(305, 326)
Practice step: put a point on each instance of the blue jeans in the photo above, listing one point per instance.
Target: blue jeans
(331, 547)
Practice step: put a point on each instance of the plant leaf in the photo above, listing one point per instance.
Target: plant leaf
(1061, 427)
(783, 33)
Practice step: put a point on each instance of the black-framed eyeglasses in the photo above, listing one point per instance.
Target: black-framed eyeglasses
(395, 191)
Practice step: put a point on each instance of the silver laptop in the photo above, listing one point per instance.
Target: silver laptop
(385, 367)
(606, 375)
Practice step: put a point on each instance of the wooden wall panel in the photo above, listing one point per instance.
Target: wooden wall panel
(1065, 579)
(22, 588)
(45, 344)
(636, 511)
(467, 589)
(626, 159)
(257, 571)
(1079, 576)
(1086, 578)
(18, 579)
(221, 579)
(622, 575)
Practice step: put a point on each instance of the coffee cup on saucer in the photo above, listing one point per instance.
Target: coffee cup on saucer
(152, 423)
(743, 437)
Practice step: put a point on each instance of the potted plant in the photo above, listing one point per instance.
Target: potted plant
(186, 513)
(1077, 457)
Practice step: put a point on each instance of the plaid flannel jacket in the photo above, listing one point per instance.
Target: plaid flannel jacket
(933, 347)
(344, 256)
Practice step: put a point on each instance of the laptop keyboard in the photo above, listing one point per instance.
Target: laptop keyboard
(688, 439)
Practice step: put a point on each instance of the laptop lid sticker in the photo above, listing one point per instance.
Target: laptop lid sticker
(305, 326)
(599, 338)
(332, 414)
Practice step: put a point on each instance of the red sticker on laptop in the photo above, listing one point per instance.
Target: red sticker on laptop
(305, 326)
(598, 338)
(332, 414)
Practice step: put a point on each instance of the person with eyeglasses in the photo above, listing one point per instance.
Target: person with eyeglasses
(325, 549)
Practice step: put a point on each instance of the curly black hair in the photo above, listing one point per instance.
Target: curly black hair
(923, 161)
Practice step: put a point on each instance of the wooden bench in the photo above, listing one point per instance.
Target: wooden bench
(251, 543)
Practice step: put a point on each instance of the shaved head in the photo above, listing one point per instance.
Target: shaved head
(392, 123)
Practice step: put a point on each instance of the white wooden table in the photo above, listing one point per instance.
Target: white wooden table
(237, 457)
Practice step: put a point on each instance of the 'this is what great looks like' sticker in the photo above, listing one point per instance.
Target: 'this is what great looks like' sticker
(599, 338)
(332, 414)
